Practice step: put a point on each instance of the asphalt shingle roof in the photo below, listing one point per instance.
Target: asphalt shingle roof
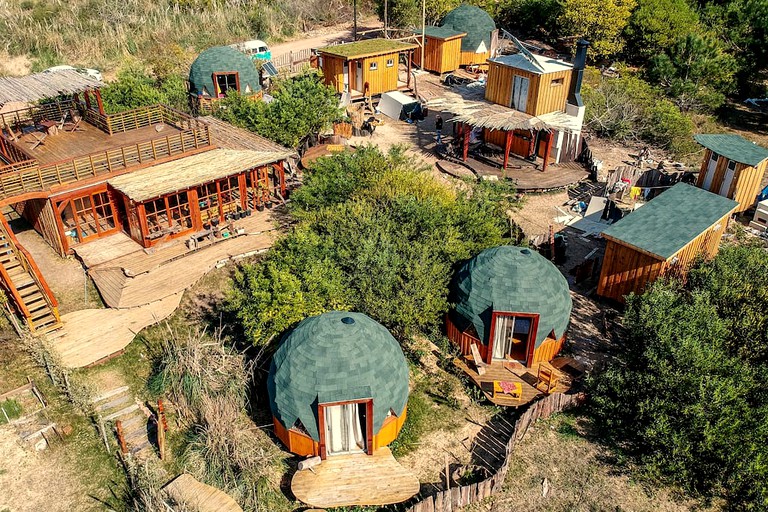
(477, 23)
(325, 359)
(733, 147)
(670, 221)
(439, 32)
(513, 279)
(221, 59)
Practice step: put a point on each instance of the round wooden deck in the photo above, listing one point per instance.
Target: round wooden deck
(346, 480)
(525, 175)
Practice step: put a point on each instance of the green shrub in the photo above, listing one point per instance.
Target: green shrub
(11, 409)
(414, 427)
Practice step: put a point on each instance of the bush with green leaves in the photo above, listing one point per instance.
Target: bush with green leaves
(136, 88)
(685, 395)
(374, 234)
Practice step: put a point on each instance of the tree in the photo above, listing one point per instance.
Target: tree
(680, 397)
(402, 14)
(696, 73)
(655, 25)
(532, 17)
(386, 243)
(301, 106)
(599, 21)
(136, 88)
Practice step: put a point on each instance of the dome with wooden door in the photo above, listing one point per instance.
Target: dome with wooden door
(479, 28)
(218, 71)
(512, 303)
(338, 383)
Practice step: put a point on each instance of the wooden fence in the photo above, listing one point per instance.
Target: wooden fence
(292, 62)
(460, 496)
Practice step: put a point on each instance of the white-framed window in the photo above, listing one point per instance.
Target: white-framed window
(390, 63)
(374, 66)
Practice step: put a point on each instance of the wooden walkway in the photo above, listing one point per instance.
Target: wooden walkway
(526, 377)
(195, 496)
(347, 480)
(91, 336)
(525, 175)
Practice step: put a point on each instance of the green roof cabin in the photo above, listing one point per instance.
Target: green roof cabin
(367, 68)
(338, 384)
(511, 311)
(479, 43)
(217, 71)
(732, 167)
(662, 239)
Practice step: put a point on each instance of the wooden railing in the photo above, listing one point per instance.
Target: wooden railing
(29, 176)
(35, 113)
(140, 118)
(30, 266)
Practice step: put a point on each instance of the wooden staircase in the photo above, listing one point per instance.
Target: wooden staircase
(137, 425)
(25, 286)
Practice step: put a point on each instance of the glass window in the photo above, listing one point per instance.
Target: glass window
(178, 208)
(374, 66)
(156, 215)
(390, 63)
(225, 82)
(208, 201)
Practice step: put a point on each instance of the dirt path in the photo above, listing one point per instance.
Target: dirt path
(324, 36)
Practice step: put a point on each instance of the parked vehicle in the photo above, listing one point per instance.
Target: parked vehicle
(93, 73)
(255, 49)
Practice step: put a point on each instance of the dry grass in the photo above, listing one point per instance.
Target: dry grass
(101, 33)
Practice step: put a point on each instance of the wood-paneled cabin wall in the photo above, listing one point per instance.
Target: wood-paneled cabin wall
(746, 184)
(333, 72)
(628, 269)
(41, 214)
(303, 445)
(547, 92)
(380, 80)
(522, 141)
(470, 58)
(441, 55)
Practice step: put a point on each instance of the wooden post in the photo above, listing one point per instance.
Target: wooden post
(467, 130)
(447, 474)
(121, 437)
(507, 147)
(99, 102)
(162, 428)
(551, 242)
(408, 79)
(547, 151)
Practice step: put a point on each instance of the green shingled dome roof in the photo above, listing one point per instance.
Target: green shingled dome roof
(222, 59)
(475, 22)
(512, 279)
(334, 357)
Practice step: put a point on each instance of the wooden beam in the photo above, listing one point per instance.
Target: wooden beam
(507, 147)
(467, 130)
(547, 151)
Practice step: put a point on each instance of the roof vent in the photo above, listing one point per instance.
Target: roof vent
(525, 251)
(348, 320)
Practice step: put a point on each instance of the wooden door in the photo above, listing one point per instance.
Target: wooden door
(725, 187)
(710, 171)
(520, 93)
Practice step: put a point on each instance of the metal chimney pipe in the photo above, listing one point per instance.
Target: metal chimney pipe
(579, 62)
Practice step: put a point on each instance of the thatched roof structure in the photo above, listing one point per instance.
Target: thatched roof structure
(483, 114)
(45, 85)
(184, 173)
(229, 136)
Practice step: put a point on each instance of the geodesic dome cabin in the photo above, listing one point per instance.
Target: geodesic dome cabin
(512, 303)
(338, 384)
(480, 29)
(218, 70)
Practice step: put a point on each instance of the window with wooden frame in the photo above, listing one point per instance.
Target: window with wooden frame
(390, 63)
(513, 336)
(179, 211)
(208, 200)
(169, 212)
(258, 184)
(557, 82)
(226, 82)
(156, 215)
(87, 217)
(230, 194)
(373, 66)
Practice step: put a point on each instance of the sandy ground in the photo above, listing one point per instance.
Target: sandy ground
(324, 36)
(25, 474)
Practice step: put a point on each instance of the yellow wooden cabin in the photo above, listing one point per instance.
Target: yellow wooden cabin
(367, 68)
(662, 238)
(732, 167)
(442, 49)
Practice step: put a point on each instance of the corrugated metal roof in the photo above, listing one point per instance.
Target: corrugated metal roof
(733, 147)
(326, 359)
(512, 279)
(672, 220)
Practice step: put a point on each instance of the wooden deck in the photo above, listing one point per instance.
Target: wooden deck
(196, 496)
(526, 176)
(137, 277)
(347, 480)
(91, 336)
(569, 368)
(88, 139)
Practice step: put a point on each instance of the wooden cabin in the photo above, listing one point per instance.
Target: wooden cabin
(78, 175)
(732, 167)
(662, 238)
(442, 49)
(512, 309)
(333, 374)
(479, 43)
(218, 71)
(367, 68)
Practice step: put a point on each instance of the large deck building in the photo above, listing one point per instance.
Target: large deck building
(78, 174)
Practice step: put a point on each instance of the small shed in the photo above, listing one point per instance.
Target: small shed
(479, 43)
(219, 70)
(367, 68)
(732, 167)
(513, 304)
(662, 238)
(338, 384)
(397, 105)
(442, 49)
